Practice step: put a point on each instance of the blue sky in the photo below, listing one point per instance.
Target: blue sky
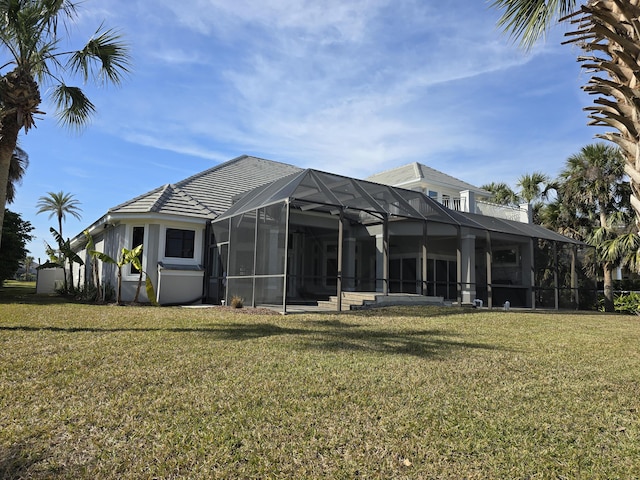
(351, 87)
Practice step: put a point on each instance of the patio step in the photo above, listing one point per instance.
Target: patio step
(356, 300)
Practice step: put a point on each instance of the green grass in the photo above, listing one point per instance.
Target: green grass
(139, 392)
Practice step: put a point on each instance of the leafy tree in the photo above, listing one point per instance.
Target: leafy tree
(31, 33)
(17, 169)
(59, 204)
(68, 255)
(126, 257)
(607, 31)
(95, 274)
(13, 249)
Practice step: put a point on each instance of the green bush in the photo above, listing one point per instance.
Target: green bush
(628, 302)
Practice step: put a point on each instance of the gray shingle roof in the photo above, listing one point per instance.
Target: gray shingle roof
(416, 171)
(208, 193)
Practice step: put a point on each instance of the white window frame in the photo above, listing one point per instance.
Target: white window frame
(126, 273)
(197, 245)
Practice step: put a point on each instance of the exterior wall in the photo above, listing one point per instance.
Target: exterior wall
(49, 279)
(179, 286)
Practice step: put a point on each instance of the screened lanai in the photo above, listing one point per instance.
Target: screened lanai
(313, 234)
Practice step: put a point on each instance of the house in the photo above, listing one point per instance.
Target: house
(274, 234)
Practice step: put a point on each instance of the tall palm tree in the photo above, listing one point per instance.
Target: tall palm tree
(27, 262)
(607, 32)
(501, 193)
(59, 204)
(533, 186)
(17, 169)
(591, 187)
(30, 57)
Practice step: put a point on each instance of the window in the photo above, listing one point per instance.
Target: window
(137, 238)
(179, 243)
(433, 194)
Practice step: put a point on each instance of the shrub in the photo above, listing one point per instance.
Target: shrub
(628, 302)
(237, 302)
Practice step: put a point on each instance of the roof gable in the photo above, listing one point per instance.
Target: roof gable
(208, 193)
(415, 172)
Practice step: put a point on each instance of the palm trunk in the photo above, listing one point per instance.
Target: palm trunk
(608, 288)
(607, 32)
(19, 97)
(135, 300)
(8, 139)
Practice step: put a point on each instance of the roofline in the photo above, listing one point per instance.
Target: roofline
(116, 218)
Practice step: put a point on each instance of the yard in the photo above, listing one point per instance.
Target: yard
(140, 392)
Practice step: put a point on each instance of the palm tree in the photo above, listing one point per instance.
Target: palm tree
(30, 40)
(501, 193)
(59, 204)
(17, 169)
(533, 186)
(591, 187)
(27, 262)
(606, 30)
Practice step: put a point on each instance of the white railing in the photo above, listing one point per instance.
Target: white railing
(454, 203)
(502, 211)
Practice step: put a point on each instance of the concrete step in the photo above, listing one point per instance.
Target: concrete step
(356, 300)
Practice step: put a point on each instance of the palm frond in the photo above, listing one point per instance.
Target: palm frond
(527, 21)
(73, 107)
(105, 57)
(17, 169)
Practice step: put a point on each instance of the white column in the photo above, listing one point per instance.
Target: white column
(468, 268)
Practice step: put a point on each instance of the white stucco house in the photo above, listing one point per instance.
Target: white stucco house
(275, 234)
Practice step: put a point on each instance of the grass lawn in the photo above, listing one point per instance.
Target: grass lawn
(139, 392)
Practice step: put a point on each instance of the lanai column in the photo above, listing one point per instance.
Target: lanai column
(424, 269)
(468, 267)
(382, 258)
(575, 296)
(556, 295)
(528, 272)
(459, 266)
(532, 271)
(489, 257)
(340, 242)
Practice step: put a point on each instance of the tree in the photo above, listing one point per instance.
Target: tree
(593, 189)
(59, 204)
(27, 263)
(501, 193)
(608, 33)
(533, 186)
(17, 169)
(126, 257)
(68, 255)
(30, 41)
(13, 249)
